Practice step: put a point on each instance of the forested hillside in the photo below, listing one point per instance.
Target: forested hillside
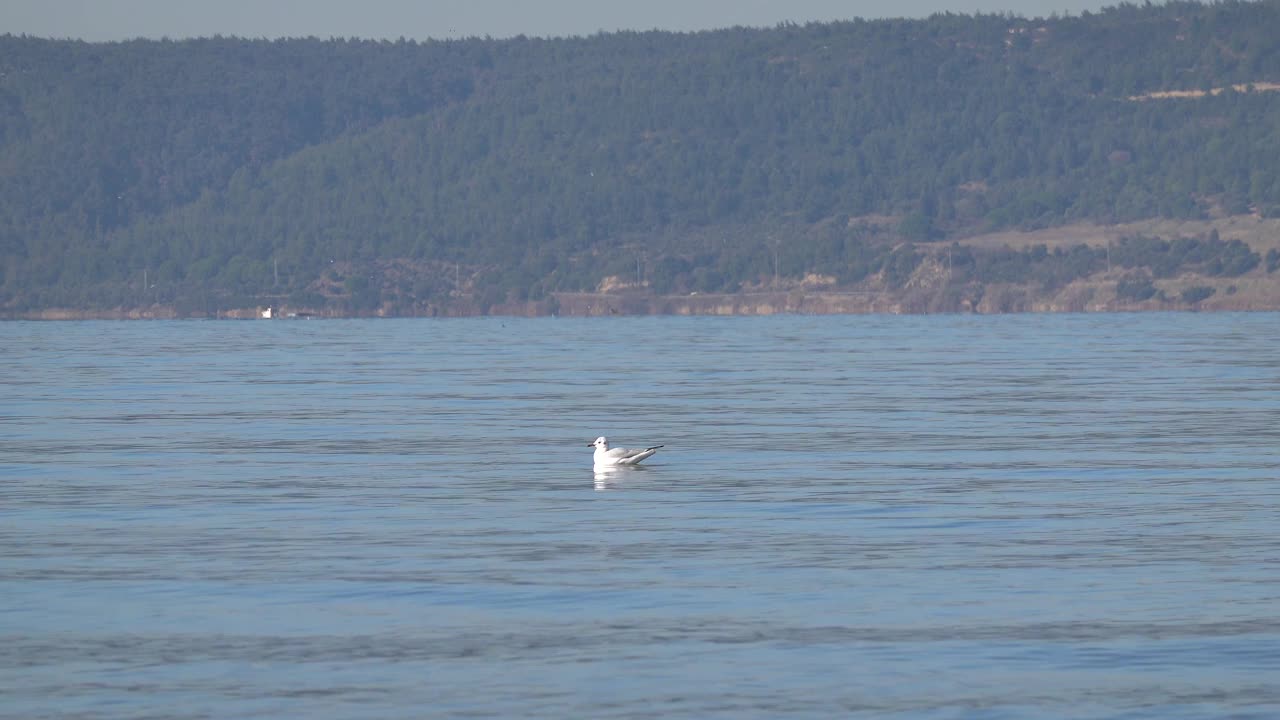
(466, 176)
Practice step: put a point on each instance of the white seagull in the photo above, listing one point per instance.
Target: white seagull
(605, 457)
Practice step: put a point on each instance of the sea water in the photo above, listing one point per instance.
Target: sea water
(1020, 516)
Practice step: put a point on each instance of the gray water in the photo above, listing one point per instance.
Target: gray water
(906, 517)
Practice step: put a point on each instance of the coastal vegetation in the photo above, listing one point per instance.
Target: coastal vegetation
(347, 176)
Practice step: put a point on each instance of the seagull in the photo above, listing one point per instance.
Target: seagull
(605, 457)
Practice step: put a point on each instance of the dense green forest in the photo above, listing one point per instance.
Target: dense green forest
(410, 177)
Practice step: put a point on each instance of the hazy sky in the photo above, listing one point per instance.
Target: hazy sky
(420, 19)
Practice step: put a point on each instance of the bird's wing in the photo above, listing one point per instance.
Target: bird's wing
(633, 457)
(629, 453)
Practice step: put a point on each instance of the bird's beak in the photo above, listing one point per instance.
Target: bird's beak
(591, 444)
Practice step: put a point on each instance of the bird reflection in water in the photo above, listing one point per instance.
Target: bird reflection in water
(613, 478)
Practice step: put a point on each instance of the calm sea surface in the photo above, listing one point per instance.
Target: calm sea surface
(1031, 516)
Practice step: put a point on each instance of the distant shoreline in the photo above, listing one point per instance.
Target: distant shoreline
(709, 305)
(930, 289)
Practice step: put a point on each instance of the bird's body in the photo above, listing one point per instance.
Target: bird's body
(606, 457)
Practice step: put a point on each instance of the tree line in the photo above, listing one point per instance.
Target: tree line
(228, 170)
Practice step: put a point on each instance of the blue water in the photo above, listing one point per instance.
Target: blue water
(1066, 516)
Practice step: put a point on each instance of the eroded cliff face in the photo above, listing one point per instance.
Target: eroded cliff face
(929, 291)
